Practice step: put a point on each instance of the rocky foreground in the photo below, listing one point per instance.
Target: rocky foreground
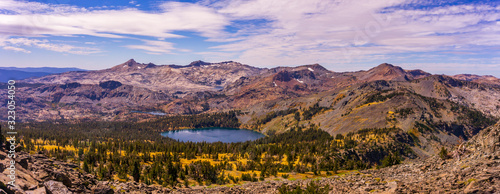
(474, 167)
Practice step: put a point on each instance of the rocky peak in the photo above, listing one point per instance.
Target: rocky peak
(198, 63)
(385, 71)
(130, 62)
(485, 79)
(132, 65)
(315, 67)
(149, 65)
(385, 65)
(230, 63)
(417, 73)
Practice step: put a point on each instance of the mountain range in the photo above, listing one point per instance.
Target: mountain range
(438, 109)
(15, 73)
(385, 109)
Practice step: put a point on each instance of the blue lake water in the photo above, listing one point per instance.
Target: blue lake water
(157, 113)
(226, 135)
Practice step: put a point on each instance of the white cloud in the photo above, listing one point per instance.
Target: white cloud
(333, 32)
(16, 49)
(312, 31)
(154, 47)
(29, 19)
(268, 33)
(25, 7)
(14, 44)
(63, 20)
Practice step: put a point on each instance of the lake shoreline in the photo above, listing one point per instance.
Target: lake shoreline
(213, 134)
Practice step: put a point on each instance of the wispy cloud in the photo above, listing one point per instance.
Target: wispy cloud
(154, 47)
(38, 19)
(16, 49)
(269, 33)
(352, 31)
(67, 20)
(15, 44)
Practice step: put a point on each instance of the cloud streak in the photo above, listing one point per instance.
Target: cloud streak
(117, 23)
(154, 47)
(356, 31)
(37, 20)
(266, 32)
(15, 44)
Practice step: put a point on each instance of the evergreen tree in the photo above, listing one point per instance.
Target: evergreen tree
(136, 173)
(443, 154)
(86, 166)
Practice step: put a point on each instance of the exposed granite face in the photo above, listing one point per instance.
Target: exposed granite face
(54, 187)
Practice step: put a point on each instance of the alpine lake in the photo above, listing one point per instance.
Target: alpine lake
(215, 134)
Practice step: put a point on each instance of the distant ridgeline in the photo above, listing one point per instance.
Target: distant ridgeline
(13, 73)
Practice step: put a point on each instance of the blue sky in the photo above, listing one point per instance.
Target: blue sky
(448, 37)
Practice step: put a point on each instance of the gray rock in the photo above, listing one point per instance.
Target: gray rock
(62, 177)
(54, 187)
(23, 161)
(40, 190)
(101, 188)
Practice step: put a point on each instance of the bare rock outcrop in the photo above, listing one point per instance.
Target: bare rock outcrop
(55, 187)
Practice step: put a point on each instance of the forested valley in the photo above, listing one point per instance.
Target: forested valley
(137, 152)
